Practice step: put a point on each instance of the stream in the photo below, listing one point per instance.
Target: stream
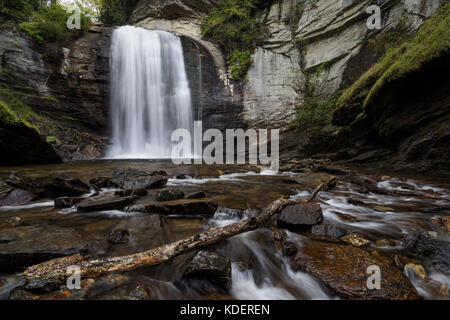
(259, 270)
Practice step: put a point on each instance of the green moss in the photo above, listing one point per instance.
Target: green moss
(9, 117)
(235, 26)
(431, 41)
(53, 139)
(50, 23)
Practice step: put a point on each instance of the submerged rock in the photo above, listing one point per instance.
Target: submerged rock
(355, 240)
(102, 183)
(169, 195)
(343, 269)
(328, 230)
(300, 217)
(179, 207)
(30, 245)
(209, 266)
(312, 181)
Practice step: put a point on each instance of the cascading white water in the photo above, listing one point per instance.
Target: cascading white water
(150, 95)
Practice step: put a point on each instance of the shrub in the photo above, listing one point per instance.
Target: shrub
(111, 12)
(18, 10)
(234, 25)
(50, 23)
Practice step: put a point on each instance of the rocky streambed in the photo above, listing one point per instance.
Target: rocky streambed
(320, 250)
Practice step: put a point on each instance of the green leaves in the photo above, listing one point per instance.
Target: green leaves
(234, 25)
(111, 12)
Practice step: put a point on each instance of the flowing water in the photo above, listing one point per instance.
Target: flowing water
(150, 95)
(259, 271)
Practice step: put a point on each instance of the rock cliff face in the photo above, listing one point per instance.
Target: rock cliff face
(61, 89)
(312, 49)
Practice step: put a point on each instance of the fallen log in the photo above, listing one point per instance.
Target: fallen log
(57, 269)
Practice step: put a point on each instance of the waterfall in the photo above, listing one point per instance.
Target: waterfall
(150, 95)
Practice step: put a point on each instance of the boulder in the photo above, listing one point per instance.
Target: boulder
(312, 180)
(134, 179)
(180, 207)
(18, 180)
(60, 185)
(169, 195)
(343, 270)
(209, 266)
(30, 245)
(104, 203)
(131, 192)
(17, 197)
(300, 217)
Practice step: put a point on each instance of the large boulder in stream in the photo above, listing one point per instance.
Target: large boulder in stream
(135, 179)
(179, 207)
(169, 195)
(24, 246)
(59, 185)
(300, 217)
(343, 270)
(209, 266)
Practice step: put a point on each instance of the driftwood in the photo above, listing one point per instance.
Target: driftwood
(57, 269)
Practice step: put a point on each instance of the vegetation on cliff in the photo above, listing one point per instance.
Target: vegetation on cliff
(430, 42)
(234, 24)
(111, 12)
(9, 117)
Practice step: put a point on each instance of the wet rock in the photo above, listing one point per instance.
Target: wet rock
(333, 169)
(31, 245)
(67, 202)
(417, 269)
(131, 192)
(18, 180)
(312, 180)
(118, 236)
(42, 286)
(136, 234)
(179, 207)
(328, 230)
(355, 240)
(347, 217)
(104, 203)
(433, 249)
(209, 266)
(365, 184)
(60, 185)
(300, 217)
(197, 195)
(17, 197)
(343, 269)
(443, 223)
(289, 249)
(180, 176)
(134, 179)
(102, 183)
(169, 195)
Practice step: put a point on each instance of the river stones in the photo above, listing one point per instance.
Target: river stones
(169, 195)
(133, 179)
(104, 203)
(355, 240)
(343, 270)
(30, 245)
(300, 217)
(209, 266)
(179, 207)
(131, 192)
